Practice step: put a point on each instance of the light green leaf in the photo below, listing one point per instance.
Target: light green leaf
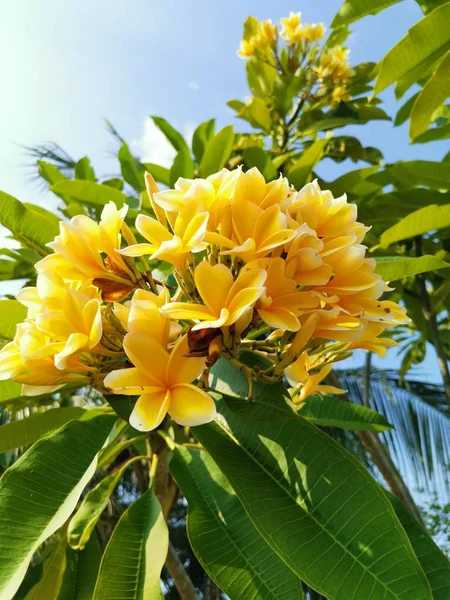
(11, 313)
(54, 566)
(174, 137)
(435, 92)
(259, 158)
(392, 268)
(27, 431)
(346, 183)
(417, 223)
(435, 564)
(44, 485)
(353, 10)
(424, 44)
(84, 170)
(135, 555)
(201, 137)
(132, 170)
(403, 114)
(160, 174)
(301, 171)
(94, 503)
(330, 412)
(217, 152)
(260, 77)
(224, 539)
(114, 182)
(29, 227)
(429, 5)
(183, 166)
(257, 113)
(431, 174)
(433, 134)
(89, 192)
(10, 391)
(312, 501)
(49, 172)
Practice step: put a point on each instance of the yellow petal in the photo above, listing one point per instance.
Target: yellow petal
(138, 250)
(219, 322)
(147, 355)
(240, 303)
(213, 284)
(183, 369)
(75, 343)
(152, 230)
(130, 382)
(280, 318)
(191, 406)
(185, 310)
(39, 390)
(150, 410)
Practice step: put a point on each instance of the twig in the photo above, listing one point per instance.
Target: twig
(179, 575)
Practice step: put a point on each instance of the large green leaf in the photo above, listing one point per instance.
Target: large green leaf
(331, 412)
(132, 170)
(201, 137)
(160, 174)
(312, 502)
(9, 391)
(88, 565)
(301, 170)
(54, 566)
(425, 42)
(49, 172)
(41, 489)
(84, 170)
(257, 157)
(217, 151)
(89, 192)
(11, 313)
(174, 137)
(224, 539)
(94, 503)
(435, 564)
(257, 113)
(423, 172)
(433, 134)
(352, 10)
(417, 223)
(345, 183)
(392, 268)
(31, 228)
(435, 92)
(27, 431)
(183, 166)
(136, 552)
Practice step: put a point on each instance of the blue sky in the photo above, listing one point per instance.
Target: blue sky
(66, 66)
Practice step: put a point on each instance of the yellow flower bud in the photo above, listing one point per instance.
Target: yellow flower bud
(247, 48)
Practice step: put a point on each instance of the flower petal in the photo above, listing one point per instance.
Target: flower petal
(138, 250)
(213, 284)
(183, 369)
(75, 343)
(150, 410)
(191, 406)
(147, 355)
(152, 230)
(130, 382)
(280, 318)
(185, 310)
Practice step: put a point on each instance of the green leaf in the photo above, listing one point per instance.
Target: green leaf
(363, 116)
(314, 504)
(49, 172)
(135, 555)
(433, 134)
(257, 113)
(174, 137)
(403, 114)
(132, 170)
(44, 485)
(259, 158)
(423, 172)
(223, 538)
(114, 182)
(392, 268)
(350, 180)
(417, 223)
(10, 391)
(94, 503)
(424, 44)
(435, 92)
(29, 227)
(337, 37)
(435, 564)
(27, 431)
(201, 137)
(301, 171)
(87, 570)
(353, 10)
(251, 27)
(160, 174)
(54, 565)
(429, 5)
(183, 166)
(89, 192)
(84, 170)
(217, 152)
(11, 313)
(260, 77)
(330, 412)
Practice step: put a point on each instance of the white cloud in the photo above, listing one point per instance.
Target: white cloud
(153, 146)
(193, 85)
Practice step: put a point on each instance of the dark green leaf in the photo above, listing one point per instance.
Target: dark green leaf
(257, 157)
(132, 170)
(403, 114)
(217, 152)
(201, 137)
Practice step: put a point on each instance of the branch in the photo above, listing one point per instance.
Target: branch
(430, 317)
(179, 575)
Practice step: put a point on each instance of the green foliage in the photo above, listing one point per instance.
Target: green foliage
(392, 268)
(417, 223)
(217, 151)
(89, 192)
(174, 137)
(352, 10)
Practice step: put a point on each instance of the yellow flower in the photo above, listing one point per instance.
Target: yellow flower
(164, 383)
(79, 245)
(370, 341)
(268, 32)
(247, 48)
(298, 375)
(304, 262)
(291, 28)
(188, 233)
(225, 300)
(313, 32)
(252, 187)
(340, 94)
(281, 302)
(78, 325)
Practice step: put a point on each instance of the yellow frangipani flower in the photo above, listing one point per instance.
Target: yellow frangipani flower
(247, 48)
(313, 32)
(290, 28)
(281, 302)
(298, 373)
(225, 300)
(188, 234)
(268, 32)
(340, 94)
(304, 261)
(79, 245)
(252, 187)
(78, 325)
(163, 382)
(370, 341)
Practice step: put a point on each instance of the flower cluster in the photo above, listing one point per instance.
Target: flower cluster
(260, 268)
(328, 67)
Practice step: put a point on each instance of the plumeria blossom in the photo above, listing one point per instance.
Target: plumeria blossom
(163, 383)
(253, 265)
